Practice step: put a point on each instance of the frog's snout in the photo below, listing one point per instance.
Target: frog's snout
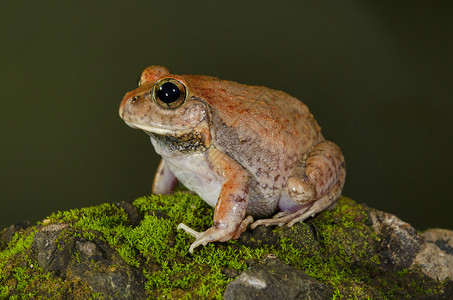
(124, 111)
(129, 98)
(122, 104)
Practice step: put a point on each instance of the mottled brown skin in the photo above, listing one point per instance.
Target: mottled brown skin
(249, 151)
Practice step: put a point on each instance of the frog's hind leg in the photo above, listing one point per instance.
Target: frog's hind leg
(308, 210)
(314, 185)
(317, 206)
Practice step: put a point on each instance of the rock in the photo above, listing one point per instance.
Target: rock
(401, 242)
(436, 257)
(403, 248)
(132, 250)
(45, 248)
(59, 249)
(275, 280)
(133, 215)
(7, 235)
(303, 237)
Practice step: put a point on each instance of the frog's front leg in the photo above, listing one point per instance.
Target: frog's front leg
(164, 181)
(231, 205)
(314, 185)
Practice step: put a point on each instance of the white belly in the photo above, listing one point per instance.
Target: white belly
(194, 172)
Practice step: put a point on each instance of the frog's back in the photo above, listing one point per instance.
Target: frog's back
(257, 126)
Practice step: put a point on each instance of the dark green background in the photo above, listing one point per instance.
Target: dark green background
(376, 75)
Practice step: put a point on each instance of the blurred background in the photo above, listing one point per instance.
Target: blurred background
(377, 75)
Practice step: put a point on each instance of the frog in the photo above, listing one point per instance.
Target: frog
(255, 154)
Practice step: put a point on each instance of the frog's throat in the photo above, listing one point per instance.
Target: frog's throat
(183, 142)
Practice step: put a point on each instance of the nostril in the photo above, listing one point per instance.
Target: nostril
(135, 99)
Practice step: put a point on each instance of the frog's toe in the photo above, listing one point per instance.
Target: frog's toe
(280, 214)
(268, 222)
(248, 220)
(285, 218)
(189, 230)
(301, 218)
(203, 240)
(211, 235)
(200, 237)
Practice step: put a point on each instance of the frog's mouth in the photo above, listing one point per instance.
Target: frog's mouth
(183, 140)
(154, 129)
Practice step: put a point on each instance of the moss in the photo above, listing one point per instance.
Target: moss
(22, 278)
(337, 247)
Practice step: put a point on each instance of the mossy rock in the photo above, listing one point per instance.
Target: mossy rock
(133, 250)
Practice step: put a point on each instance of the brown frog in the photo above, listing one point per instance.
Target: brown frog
(249, 151)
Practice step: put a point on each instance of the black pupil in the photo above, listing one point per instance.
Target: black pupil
(168, 92)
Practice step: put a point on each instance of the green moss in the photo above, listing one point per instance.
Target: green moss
(22, 278)
(18, 244)
(155, 246)
(337, 247)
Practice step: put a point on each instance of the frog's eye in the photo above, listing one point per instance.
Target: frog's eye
(169, 93)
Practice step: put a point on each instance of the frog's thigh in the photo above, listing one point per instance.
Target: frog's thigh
(164, 180)
(315, 184)
(322, 171)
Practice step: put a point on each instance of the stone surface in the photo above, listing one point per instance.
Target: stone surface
(436, 257)
(57, 249)
(400, 243)
(356, 251)
(133, 216)
(275, 280)
(7, 234)
(402, 247)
